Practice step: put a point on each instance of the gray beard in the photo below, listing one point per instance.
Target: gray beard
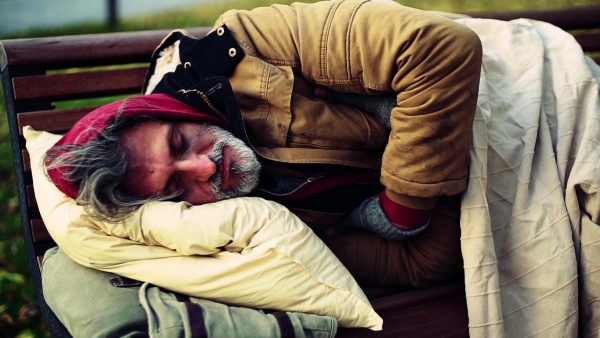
(247, 168)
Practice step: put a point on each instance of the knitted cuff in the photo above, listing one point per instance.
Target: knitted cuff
(370, 216)
(402, 215)
(377, 105)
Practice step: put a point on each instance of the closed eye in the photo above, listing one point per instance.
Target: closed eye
(178, 145)
(178, 142)
(174, 140)
(184, 143)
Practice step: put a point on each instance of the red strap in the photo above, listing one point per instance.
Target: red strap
(401, 215)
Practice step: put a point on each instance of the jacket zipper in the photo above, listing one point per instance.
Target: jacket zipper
(308, 181)
(213, 89)
(204, 98)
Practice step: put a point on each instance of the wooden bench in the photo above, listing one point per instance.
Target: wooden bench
(39, 75)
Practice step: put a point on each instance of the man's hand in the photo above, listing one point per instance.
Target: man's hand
(376, 105)
(370, 216)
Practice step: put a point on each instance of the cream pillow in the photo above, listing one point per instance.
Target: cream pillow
(244, 251)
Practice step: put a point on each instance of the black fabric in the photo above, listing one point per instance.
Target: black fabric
(285, 324)
(213, 51)
(207, 57)
(197, 323)
(197, 326)
(339, 199)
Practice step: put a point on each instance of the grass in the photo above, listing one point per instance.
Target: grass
(18, 313)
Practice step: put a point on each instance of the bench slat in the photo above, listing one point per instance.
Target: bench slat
(31, 201)
(26, 161)
(430, 312)
(85, 50)
(404, 299)
(54, 121)
(373, 292)
(83, 84)
(566, 18)
(39, 233)
(590, 42)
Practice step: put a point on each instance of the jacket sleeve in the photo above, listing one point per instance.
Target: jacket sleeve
(430, 62)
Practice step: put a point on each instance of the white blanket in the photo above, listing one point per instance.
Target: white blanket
(530, 235)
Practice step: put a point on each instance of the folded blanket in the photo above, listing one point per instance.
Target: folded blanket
(530, 215)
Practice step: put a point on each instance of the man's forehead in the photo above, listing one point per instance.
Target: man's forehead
(143, 139)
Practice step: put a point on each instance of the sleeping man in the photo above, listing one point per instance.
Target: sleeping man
(318, 157)
(356, 116)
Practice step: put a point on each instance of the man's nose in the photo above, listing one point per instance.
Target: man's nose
(198, 168)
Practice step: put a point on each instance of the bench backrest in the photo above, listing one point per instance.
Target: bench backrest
(49, 83)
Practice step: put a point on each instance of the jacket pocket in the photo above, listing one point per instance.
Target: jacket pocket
(264, 92)
(317, 123)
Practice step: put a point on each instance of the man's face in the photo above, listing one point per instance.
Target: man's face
(206, 162)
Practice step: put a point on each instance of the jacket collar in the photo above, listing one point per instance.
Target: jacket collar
(181, 60)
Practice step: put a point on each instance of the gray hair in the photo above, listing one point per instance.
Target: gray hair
(98, 168)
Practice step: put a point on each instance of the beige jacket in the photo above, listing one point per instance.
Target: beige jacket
(367, 48)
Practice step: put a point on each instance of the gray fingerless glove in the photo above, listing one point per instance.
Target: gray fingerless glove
(370, 216)
(378, 105)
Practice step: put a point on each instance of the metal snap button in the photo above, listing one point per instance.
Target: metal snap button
(187, 65)
(232, 52)
(220, 31)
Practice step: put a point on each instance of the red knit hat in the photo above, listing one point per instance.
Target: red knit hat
(155, 105)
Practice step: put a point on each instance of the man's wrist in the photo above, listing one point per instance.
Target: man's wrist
(370, 216)
(404, 218)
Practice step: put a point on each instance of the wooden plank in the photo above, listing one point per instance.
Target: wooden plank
(373, 292)
(566, 18)
(54, 121)
(438, 317)
(82, 84)
(31, 201)
(85, 50)
(39, 233)
(26, 160)
(590, 42)
(417, 296)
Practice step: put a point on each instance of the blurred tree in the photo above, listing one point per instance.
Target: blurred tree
(459, 6)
